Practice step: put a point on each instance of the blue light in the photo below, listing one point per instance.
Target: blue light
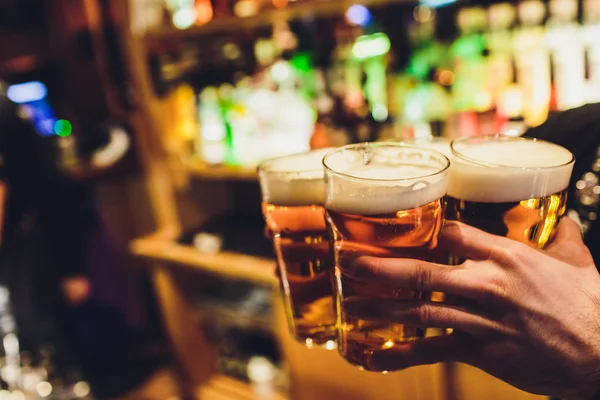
(27, 92)
(436, 3)
(358, 14)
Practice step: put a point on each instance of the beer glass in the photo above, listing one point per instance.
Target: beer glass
(509, 186)
(386, 200)
(293, 192)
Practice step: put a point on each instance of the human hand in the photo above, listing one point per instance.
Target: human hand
(528, 317)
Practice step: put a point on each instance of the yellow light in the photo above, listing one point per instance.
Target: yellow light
(245, 8)
(44, 389)
(374, 45)
(81, 389)
(423, 13)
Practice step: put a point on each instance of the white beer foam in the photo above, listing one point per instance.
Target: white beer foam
(508, 171)
(294, 180)
(382, 187)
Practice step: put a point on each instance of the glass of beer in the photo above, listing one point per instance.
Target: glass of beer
(386, 200)
(293, 193)
(509, 186)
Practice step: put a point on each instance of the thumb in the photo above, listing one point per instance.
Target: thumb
(431, 350)
(568, 244)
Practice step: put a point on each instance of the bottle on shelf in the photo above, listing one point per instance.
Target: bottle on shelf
(591, 19)
(499, 41)
(533, 61)
(211, 144)
(565, 38)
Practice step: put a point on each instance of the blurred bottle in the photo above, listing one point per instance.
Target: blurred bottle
(533, 62)
(211, 144)
(470, 89)
(499, 41)
(591, 19)
(565, 39)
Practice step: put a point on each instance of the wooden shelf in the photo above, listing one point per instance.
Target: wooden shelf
(162, 246)
(204, 171)
(224, 388)
(301, 9)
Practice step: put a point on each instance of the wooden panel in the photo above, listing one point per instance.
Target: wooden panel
(200, 170)
(190, 345)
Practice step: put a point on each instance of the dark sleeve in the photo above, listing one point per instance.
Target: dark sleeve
(578, 129)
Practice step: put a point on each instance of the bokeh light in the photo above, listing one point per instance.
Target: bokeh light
(62, 128)
(358, 14)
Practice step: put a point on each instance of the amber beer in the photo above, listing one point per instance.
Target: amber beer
(386, 200)
(293, 193)
(509, 186)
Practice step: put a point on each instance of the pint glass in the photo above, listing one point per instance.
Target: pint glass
(293, 192)
(385, 200)
(509, 186)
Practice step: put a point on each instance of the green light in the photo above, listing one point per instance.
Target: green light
(63, 128)
(374, 45)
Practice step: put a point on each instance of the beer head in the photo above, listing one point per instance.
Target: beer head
(498, 169)
(383, 178)
(293, 180)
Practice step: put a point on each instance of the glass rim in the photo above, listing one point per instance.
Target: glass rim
(263, 166)
(398, 145)
(480, 163)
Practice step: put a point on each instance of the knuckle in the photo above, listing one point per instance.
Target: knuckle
(421, 277)
(424, 314)
(420, 314)
(495, 288)
(513, 255)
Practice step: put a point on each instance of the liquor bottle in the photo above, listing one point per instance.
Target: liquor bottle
(499, 41)
(567, 49)
(211, 144)
(468, 53)
(533, 61)
(591, 19)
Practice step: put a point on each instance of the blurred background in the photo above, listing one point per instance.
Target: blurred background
(132, 258)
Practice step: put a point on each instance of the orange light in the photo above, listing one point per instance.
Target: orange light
(204, 12)
(446, 77)
(280, 3)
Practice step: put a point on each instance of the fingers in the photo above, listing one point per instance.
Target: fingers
(420, 352)
(469, 242)
(420, 314)
(567, 231)
(412, 274)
